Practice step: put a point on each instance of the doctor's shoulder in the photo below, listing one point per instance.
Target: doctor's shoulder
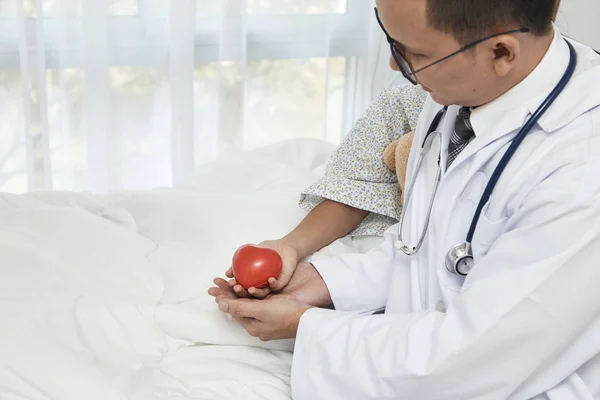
(566, 153)
(563, 169)
(555, 175)
(574, 156)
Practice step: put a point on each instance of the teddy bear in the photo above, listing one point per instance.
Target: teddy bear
(395, 158)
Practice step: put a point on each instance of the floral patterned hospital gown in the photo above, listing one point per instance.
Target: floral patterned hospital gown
(355, 175)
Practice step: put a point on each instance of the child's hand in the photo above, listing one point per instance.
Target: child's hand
(290, 258)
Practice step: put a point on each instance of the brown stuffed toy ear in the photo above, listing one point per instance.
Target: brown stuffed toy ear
(401, 157)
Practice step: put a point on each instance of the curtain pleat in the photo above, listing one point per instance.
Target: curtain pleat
(97, 105)
(42, 135)
(25, 68)
(134, 94)
(181, 78)
(231, 76)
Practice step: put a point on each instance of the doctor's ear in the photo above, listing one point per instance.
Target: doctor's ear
(505, 51)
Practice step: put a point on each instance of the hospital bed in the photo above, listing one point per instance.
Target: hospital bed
(104, 297)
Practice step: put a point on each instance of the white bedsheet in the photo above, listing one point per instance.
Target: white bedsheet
(104, 297)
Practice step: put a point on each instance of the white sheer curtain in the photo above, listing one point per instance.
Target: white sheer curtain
(103, 95)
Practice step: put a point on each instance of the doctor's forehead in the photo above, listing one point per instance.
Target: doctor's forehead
(405, 20)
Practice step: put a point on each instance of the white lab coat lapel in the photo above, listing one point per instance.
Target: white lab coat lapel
(415, 208)
(418, 208)
(422, 284)
(461, 190)
(458, 194)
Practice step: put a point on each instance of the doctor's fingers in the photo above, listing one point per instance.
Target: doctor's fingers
(222, 284)
(216, 292)
(257, 329)
(219, 297)
(242, 308)
(254, 327)
(222, 287)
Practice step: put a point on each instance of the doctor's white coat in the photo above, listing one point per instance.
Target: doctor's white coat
(525, 323)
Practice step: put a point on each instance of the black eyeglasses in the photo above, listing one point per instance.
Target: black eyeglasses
(407, 69)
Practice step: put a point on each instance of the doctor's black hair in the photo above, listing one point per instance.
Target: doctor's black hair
(470, 20)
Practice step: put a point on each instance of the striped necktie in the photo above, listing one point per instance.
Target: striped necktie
(463, 133)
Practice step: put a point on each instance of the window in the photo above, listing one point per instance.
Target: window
(94, 99)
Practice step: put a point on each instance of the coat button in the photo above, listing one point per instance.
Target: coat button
(440, 307)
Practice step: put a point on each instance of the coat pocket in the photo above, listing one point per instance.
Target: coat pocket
(490, 226)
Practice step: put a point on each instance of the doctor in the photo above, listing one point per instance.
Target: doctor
(506, 165)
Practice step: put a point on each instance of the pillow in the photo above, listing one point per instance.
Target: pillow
(287, 165)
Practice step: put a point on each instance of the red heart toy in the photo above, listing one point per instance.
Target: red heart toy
(253, 266)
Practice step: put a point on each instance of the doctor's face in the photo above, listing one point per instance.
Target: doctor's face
(468, 78)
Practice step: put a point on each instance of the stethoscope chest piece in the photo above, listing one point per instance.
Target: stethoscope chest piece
(459, 260)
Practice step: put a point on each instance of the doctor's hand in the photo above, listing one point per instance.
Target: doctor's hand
(306, 286)
(290, 257)
(274, 318)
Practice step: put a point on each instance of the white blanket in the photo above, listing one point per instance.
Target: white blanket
(104, 297)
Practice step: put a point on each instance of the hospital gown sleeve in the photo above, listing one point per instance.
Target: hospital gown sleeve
(360, 281)
(528, 301)
(355, 174)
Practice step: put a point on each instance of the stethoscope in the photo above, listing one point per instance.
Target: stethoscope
(459, 259)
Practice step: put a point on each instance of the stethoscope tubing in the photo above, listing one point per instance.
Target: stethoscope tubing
(526, 129)
(487, 193)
